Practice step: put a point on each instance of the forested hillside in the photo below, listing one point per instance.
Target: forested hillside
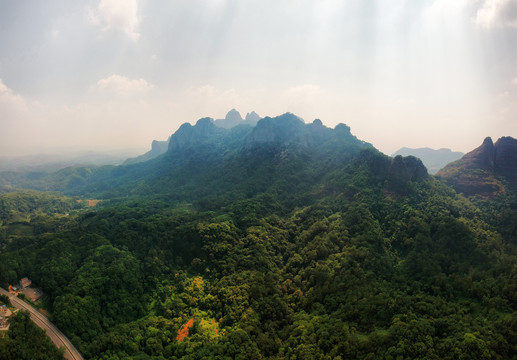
(282, 241)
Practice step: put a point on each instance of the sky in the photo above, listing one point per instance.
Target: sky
(117, 74)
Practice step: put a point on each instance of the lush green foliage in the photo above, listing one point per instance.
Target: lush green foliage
(360, 274)
(25, 341)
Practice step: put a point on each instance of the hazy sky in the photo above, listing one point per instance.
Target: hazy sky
(120, 73)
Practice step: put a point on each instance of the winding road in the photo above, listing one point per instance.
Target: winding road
(57, 337)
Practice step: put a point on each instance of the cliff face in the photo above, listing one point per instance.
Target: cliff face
(484, 170)
(505, 161)
(187, 135)
(157, 148)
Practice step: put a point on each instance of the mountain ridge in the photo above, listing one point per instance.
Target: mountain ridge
(205, 156)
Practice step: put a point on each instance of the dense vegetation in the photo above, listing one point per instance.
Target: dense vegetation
(25, 341)
(298, 257)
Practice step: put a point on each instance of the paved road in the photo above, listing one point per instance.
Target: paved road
(57, 337)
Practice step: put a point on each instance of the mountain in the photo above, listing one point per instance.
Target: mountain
(234, 118)
(157, 148)
(286, 240)
(488, 170)
(433, 159)
(280, 153)
(252, 118)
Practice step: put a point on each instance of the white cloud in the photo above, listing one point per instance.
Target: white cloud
(497, 13)
(8, 98)
(204, 91)
(303, 92)
(121, 85)
(515, 81)
(120, 15)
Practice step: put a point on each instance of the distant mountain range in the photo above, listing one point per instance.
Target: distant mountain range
(54, 162)
(280, 152)
(433, 159)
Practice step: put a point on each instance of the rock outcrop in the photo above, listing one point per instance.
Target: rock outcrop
(486, 170)
(187, 135)
(157, 148)
(434, 160)
(232, 118)
(252, 118)
(505, 162)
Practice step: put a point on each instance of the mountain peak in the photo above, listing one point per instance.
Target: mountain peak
(482, 157)
(232, 118)
(205, 123)
(280, 129)
(479, 172)
(488, 141)
(188, 135)
(506, 157)
(252, 118)
(233, 115)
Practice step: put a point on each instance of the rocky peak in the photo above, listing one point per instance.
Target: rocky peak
(506, 157)
(280, 130)
(204, 126)
(482, 157)
(479, 172)
(233, 115)
(317, 122)
(159, 146)
(188, 135)
(252, 118)
(232, 118)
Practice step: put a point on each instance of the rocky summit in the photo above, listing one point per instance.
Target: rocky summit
(486, 170)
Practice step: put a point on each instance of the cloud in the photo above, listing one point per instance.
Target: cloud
(121, 85)
(119, 15)
(10, 99)
(497, 13)
(204, 91)
(303, 92)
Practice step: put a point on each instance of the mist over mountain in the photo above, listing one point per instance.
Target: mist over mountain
(234, 118)
(244, 158)
(65, 158)
(433, 159)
